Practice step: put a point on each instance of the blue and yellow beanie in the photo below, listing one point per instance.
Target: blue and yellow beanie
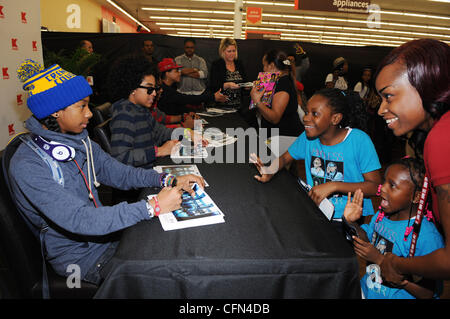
(52, 89)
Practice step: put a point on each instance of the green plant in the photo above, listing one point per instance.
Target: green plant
(79, 62)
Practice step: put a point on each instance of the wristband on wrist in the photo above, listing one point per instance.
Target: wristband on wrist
(156, 151)
(157, 209)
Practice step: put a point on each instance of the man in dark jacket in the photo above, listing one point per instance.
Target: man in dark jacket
(173, 102)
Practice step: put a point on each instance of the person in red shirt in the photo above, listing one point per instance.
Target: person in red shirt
(413, 81)
(172, 121)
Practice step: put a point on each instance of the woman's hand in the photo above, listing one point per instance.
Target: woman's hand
(169, 199)
(230, 85)
(263, 170)
(388, 271)
(256, 94)
(219, 97)
(166, 148)
(353, 209)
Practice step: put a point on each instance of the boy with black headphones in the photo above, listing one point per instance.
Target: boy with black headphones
(51, 176)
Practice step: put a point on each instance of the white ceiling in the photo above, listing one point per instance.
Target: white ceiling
(401, 20)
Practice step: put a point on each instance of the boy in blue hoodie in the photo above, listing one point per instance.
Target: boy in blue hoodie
(66, 213)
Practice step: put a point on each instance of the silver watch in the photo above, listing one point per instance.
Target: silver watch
(151, 210)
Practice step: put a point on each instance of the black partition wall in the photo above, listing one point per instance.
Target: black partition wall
(114, 45)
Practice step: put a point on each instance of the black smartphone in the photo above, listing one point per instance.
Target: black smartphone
(349, 229)
(303, 185)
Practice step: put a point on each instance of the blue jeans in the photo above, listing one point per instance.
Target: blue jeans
(94, 275)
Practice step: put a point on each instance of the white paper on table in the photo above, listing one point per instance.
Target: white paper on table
(217, 138)
(222, 111)
(195, 211)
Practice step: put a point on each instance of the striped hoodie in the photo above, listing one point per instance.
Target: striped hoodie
(135, 133)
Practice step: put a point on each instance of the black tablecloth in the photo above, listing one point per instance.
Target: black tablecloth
(275, 243)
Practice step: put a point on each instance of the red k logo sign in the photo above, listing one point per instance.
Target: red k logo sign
(1, 12)
(24, 17)
(34, 45)
(11, 129)
(19, 99)
(14, 44)
(5, 73)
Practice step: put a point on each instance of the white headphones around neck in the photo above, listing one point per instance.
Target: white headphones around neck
(58, 151)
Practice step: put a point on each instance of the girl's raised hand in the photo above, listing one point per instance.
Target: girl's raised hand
(263, 170)
(353, 208)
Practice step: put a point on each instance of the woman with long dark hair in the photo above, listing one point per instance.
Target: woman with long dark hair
(414, 84)
(282, 112)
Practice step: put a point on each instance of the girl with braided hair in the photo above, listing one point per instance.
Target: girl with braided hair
(391, 230)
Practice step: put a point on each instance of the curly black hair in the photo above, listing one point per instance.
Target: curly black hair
(349, 104)
(50, 123)
(126, 74)
(277, 57)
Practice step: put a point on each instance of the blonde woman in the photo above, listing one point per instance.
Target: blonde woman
(227, 72)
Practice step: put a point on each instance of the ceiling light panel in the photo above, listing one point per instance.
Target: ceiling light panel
(218, 15)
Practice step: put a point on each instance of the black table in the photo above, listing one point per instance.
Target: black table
(275, 243)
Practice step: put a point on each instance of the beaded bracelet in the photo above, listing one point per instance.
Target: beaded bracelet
(168, 180)
(162, 179)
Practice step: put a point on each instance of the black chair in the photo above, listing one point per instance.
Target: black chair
(102, 135)
(20, 251)
(101, 113)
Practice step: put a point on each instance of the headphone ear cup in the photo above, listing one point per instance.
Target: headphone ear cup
(58, 151)
(62, 152)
